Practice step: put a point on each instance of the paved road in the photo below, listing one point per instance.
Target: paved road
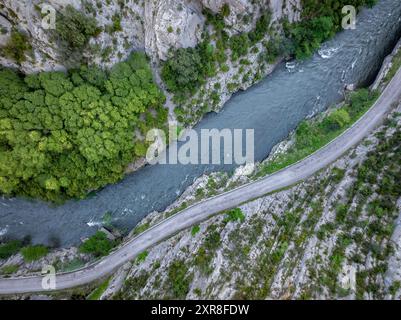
(209, 207)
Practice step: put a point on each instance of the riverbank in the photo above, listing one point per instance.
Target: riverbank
(287, 152)
(378, 113)
(274, 107)
(325, 238)
(333, 181)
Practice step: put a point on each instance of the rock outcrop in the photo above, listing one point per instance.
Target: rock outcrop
(154, 26)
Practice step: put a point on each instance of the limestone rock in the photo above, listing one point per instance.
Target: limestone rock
(154, 26)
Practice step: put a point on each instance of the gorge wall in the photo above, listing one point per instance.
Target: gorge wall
(154, 26)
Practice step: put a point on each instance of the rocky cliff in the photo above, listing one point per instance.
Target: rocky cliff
(154, 26)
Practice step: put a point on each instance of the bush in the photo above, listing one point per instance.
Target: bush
(33, 253)
(10, 248)
(183, 71)
(205, 254)
(235, 215)
(142, 256)
(216, 20)
(10, 269)
(261, 28)
(225, 10)
(98, 245)
(16, 47)
(62, 135)
(239, 45)
(341, 212)
(179, 279)
(117, 23)
(359, 101)
(338, 119)
(75, 28)
(195, 230)
(98, 292)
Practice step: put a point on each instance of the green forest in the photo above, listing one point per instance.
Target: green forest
(63, 135)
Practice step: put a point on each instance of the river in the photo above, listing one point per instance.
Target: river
(273, 108)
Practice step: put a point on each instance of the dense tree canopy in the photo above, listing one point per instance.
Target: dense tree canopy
(75, 28)
(320, 20)
(184, 71)
(62, 135)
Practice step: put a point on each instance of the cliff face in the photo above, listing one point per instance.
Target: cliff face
(154, 26)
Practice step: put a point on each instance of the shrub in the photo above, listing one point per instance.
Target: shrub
(75, 28)
(141, 228)
(338, 119)
(205, 254)
(98, 245)
(10, 269)
(395, 286)
(225, 10)
(359, 101)
(97, 293)
(239, 45)
(117, 23)
(216, 20)
(261, 28)
(69, 266)
(16, 47)
(195, 230)
(142, 256)
(33, 253)
(235, 215)
(10, 248)
(341, 212)
(225, 68)
(179, 279)
(183, 71)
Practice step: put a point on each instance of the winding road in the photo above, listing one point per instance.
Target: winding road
(205, 209)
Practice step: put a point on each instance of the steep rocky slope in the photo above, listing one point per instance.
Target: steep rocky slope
(154, 26)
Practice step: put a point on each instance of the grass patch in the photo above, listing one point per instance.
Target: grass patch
(235, 215)
(141, 228)
(8, 270)
(34, 253)
(205, 254)
(97, 293)
(195, 230)
(396, 64)
(70, 265)
(179, 279)
(142, 257)
(10, 248)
